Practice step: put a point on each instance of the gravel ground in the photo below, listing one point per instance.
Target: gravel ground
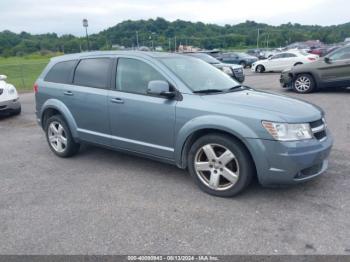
(104, 202)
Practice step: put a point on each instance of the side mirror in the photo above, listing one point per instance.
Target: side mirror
(160, 88)
(3, 77)
(327, 60)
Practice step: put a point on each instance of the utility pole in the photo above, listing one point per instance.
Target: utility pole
(137, 40)
(169, 45)
(86, 24)
(268, 36)
(257, 39)
(175, 44)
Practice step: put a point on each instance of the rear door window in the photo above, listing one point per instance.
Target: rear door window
(93, 72)
(61, 72)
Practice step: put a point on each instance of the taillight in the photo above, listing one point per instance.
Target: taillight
(35, 88)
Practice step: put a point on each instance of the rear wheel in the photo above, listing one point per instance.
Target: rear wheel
(220, 165)
(59, 137)
(260, 69)
(304, 83)
(243, 64)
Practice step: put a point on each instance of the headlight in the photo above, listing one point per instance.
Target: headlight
(12, 91)
(227, 70)
(288, 132)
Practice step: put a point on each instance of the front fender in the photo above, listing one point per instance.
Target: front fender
(63, 109)
(220, 123)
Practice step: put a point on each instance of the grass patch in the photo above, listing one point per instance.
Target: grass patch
(23, 71)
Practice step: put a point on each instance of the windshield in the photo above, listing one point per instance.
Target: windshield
(206, 58)
(197, 74)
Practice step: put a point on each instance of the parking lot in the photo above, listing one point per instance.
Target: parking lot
(104, 202)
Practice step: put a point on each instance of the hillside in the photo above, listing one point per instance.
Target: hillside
(162, 32)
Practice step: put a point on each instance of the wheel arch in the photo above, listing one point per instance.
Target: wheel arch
(260, 64)
(52, 107)
(315, 78)
(187, 136)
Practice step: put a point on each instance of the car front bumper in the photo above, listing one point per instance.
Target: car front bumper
(9, 105)
(286, 80)
(279, 163)
(238, 74)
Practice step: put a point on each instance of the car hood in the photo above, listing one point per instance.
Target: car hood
(233, 66)
(282, 107)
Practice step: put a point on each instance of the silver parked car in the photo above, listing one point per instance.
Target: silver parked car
(183, 111)
(9, 100)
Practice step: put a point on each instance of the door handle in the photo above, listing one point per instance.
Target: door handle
(68, 93)
(117, 100)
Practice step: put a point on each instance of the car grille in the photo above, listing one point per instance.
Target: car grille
(318, 129)
(1, 91)
(238, 72)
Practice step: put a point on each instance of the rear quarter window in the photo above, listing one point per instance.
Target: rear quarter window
(61, 72)
(93, 72)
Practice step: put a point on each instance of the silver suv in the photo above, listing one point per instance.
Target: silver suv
(183, 111)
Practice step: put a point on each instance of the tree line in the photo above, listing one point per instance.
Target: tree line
(160, 32)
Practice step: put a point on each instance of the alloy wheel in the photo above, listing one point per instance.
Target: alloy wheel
(302, 84)
(57, 137)
(216, 166)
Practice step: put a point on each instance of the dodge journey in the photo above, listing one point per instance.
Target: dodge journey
(182, 111)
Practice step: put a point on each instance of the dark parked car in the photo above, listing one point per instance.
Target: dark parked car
(235, 71)
(238, 58)
(331, 71)
(214, 53)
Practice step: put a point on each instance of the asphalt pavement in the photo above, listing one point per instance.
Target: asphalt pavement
(105, 202)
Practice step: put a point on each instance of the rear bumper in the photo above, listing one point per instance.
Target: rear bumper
(279, 163)
(10, 105)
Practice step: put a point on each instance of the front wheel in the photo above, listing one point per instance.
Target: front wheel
(304, 83)
(260, 69)
(220, 165)
(59, 137)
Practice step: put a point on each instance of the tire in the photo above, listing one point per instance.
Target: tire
(304, 83)
(57, 130)
(243, 64)
(232, 161)
(17, 111)
(299, 63)
(260, 69)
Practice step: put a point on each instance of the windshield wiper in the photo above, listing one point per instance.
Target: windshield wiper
(208, 91)
(236, 87)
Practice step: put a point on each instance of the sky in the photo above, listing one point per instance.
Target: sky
(65, 16)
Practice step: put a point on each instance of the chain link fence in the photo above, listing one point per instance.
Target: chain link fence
(23, 75)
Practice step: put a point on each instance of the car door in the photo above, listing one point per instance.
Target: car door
(230, 58)
(335, 69)
(88, 98)
(140, 122)
(288, 61)
(274, 63)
